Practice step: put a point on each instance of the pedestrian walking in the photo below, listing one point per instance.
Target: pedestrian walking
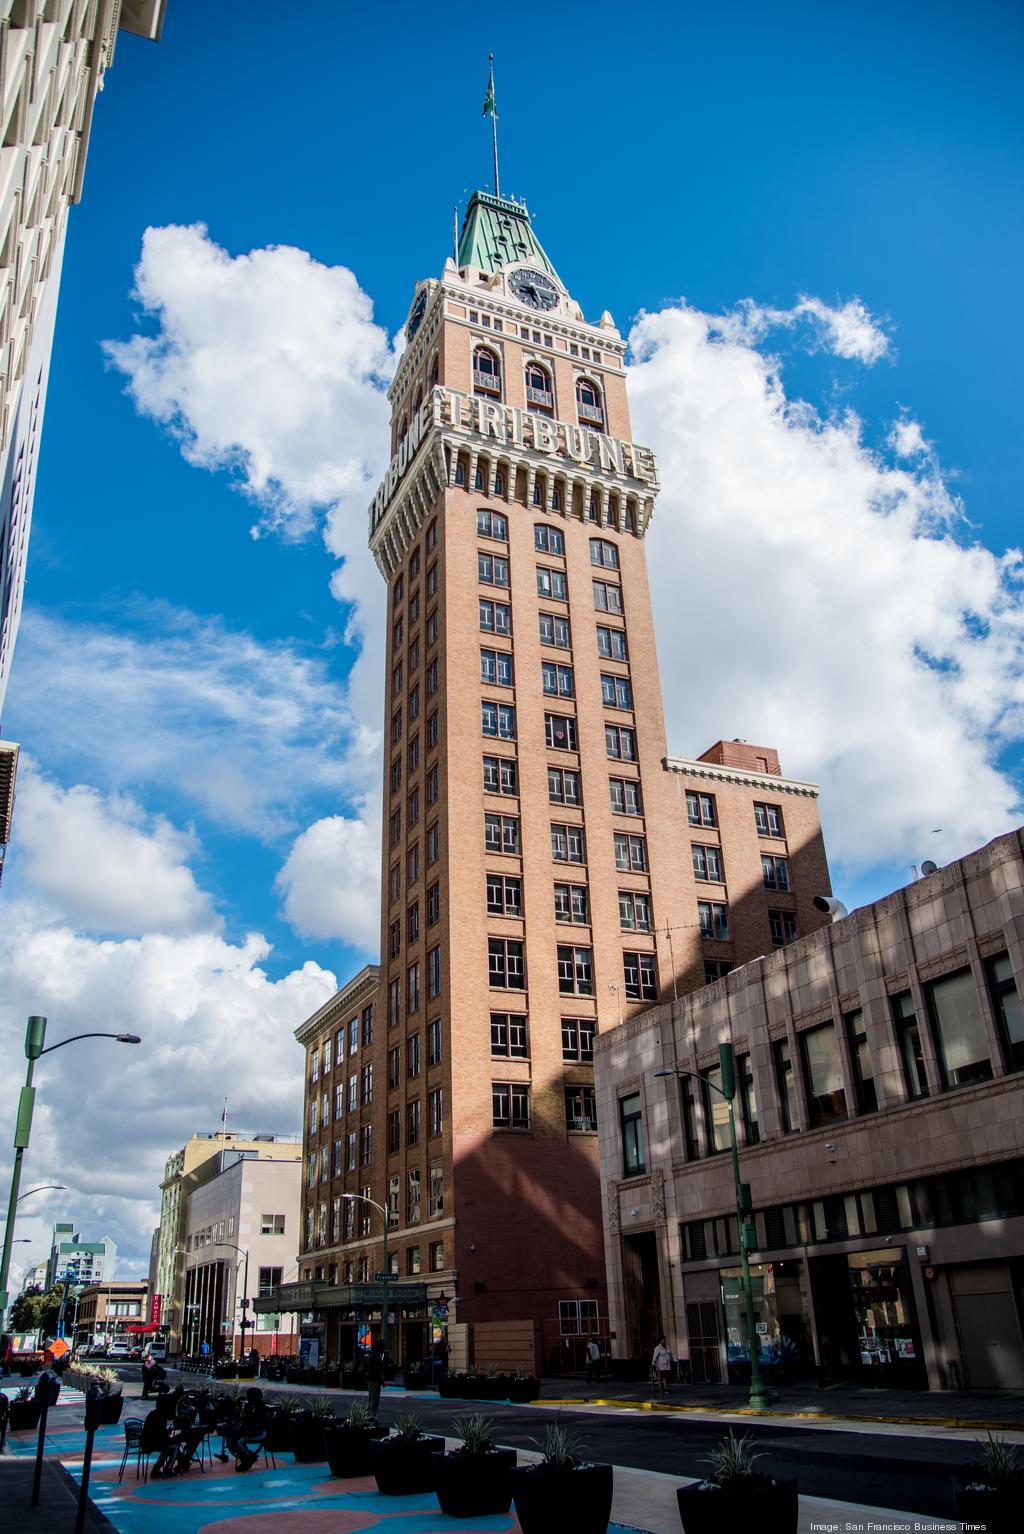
(661, 1365)
(374, 1376)
(593, 1360)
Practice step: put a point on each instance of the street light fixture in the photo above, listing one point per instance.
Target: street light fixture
(361, 1198)
(245, 1297)
(35, 1034)
(744, 1223)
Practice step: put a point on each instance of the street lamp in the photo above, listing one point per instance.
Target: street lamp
(744, 1224)
(41, 1189)
(361, 1198)
(35, 1033)
(245, 1297)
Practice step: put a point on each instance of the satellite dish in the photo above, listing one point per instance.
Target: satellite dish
(928, 867)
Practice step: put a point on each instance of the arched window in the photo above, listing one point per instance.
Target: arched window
(588, 402)
(435, 368)
(417, 400)
(403, 427)
(486, 371)
(539, 392)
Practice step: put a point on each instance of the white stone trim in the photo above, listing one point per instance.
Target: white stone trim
(714, 772)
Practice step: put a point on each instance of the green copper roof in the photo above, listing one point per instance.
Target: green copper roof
(497, 232)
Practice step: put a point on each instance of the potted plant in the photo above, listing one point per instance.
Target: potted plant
(417, 1376)
(112, 1400)
(523, 1388)
(401, 1463)
(348, 1441)
(562, 1490)
(25, 1410)
(279, 1418)
(990, 1495)
(735, 1495)
(475, 1479)
(307, 1431)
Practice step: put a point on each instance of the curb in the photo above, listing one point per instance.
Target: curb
(809, 1416)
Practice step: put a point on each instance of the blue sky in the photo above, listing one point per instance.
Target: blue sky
(707, 154)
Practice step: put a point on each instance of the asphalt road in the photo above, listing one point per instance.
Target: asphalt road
(910, 1473)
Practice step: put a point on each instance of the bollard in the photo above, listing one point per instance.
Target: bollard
(93, 1397)
(47, 1390)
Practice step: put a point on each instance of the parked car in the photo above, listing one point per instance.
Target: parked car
(119, 1350)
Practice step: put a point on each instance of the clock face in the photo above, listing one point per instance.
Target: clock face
(534, 288)
(415, 318)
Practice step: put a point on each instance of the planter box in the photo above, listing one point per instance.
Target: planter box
(279, 1432)
(307, 1438)
(111, 1407)
(579, 1499)
(348, 1449)
(24, 1416)
(996, 1509)
(401, 1466)
(521, 1392)
(474, 1485)
(770, 1507)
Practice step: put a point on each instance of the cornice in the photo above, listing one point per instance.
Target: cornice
(354, 994)
(763, 780)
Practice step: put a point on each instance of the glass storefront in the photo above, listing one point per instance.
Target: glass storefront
(882, 1308)
(780, 1317)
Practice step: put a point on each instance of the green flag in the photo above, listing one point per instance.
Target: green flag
(489, 106)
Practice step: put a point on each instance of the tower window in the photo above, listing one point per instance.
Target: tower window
(505, 964)
(539, 392)
(549, 540)
(486, 371)
(589, 407)
(560, 732)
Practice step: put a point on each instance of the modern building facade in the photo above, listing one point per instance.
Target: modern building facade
(542, 874)
(880, 1113)
(111, 1312)
(54, 55)
(86, 1261)
(241, 1227)
(8, 774)
(201, 1157)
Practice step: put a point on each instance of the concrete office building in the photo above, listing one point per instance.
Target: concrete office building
(87, 1261)
(880, 1112)
(111, 1312)
(201, 1157)
(547, 869)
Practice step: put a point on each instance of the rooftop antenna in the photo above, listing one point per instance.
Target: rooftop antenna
(489, 107)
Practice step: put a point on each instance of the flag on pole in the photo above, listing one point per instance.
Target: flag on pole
(224, 1113)
(489, 107)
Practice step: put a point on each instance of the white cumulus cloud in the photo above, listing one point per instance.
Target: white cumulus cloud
(331, 881)
(848, 330)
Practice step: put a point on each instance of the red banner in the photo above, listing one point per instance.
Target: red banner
(156, 1305)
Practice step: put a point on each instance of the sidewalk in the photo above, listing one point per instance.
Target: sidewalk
(58, 1499)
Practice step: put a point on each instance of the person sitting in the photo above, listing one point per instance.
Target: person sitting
(244, 1434)
(157, 1439)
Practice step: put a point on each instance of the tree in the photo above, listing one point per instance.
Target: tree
(35, 1310)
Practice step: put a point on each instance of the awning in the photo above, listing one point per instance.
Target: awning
(145, 1326)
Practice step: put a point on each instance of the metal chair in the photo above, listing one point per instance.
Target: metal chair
(132, 1441)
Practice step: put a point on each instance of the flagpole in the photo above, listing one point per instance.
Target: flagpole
(494, 129)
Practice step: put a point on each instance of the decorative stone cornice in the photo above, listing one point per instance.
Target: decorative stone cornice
(713, 772)
(355, 994)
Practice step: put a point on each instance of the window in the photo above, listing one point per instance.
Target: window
(501, 833)
(634, 911)
(366, 1085)
(395, 828)
(412, 990)
(504, 895)
(327, 1054)
(782, 1059)
(412, 1056)
(604, 553)
(412, 1122)
(782, 925)
(571, 903)
(414, 605)
(549, 540)
(414, 565)
(433, 973)
(432, 536)
(707, 864)
(557, 681)
(611, 644)
(394, 1003)
(713, 918)
(580, 1110)
(314, 1064)
(620, 743)
(435, 1203)
(314, 1109)
(508, 1035)
(414, 654)
(431, 630)
(908, 1037)
(492, 524)
(437, 1256)
(495, 617)
(432, 675)
(748, 1100)
(394, 1067)
(414, 754)
(863, 1071)
(560, 733)
(631, 1132)
(962, 1045)
(350, 1151)
(578, 1038)
(433, 904)
(824, 1074)
(413, 709)
(434, 842)
(395, 776)
(413, 808)
(271, 1224)
(339, 1099)
(575, 971)
(563, 785)
(625, 796)
(630, 853)
(435, 1111)
(394, 1132)
(434, 1042)
(433, 784)
(396, 680)
(353, 1091)
(577, 1317)
(607, 598)
(412, 864)
(496, 667)
(433, 730)
(486, 371)
(498, 720)
(1007, 1009)
(567, 844)
(505, 964)
(616, 691)
(639, 976)
(555, 631)
(774, 872)
(510, 1105)
(492, 570)
(768, 820)
(588, 402)
(500, 775)
(700, 809)
(350, 1221)
(412, 1196)
(366, 1145)
(715, 1112)
(551, 583)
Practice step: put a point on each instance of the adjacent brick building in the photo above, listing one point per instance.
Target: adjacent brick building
(543, 872)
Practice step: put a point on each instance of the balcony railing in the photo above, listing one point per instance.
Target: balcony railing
(590, 413)
(489, 381)
(540, 397)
